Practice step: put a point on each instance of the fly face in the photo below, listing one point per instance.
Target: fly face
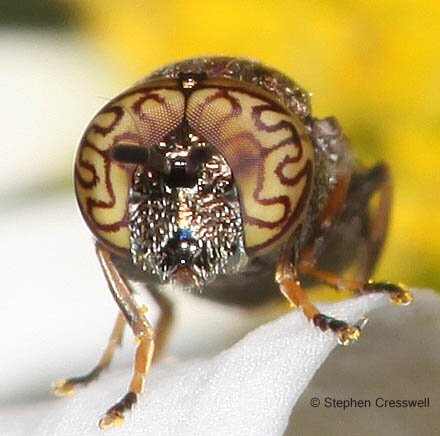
(184, 221)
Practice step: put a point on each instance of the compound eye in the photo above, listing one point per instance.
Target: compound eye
(268, 150)
(123, 135)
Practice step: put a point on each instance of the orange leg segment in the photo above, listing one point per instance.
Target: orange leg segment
(143, 331)
(290, 287)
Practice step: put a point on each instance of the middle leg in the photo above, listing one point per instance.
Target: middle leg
(399, 293)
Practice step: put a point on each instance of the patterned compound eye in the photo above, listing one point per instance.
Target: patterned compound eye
(263, 142)
(138, 118)
(268, 150)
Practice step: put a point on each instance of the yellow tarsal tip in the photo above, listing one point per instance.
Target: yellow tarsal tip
(62, 388)
(402, 298)
(349, 335)
(110, 420)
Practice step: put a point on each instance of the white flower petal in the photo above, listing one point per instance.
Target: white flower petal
(248, 389)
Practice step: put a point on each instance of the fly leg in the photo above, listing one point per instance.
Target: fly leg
(373, 187)
(353, 230)
(399, 293)
(143, 331)
(67, 387)
(290, 287)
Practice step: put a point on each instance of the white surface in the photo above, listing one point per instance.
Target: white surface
(397, 358)
(249, 389)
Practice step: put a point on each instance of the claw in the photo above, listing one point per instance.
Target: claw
(402, 296)
(348, 335)
(111, 419)
(63, 388)
(399, 294)
(345, 334)
(115, 415)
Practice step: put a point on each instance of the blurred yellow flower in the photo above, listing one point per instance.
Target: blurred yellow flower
(373, 64)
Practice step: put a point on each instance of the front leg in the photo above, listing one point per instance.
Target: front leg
(142, 329)
(290, 286)
(67, 387)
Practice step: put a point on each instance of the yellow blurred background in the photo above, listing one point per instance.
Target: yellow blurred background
(375, 65)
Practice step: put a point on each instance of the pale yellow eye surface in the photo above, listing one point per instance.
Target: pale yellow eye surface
(270, 154)
(142, 116)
